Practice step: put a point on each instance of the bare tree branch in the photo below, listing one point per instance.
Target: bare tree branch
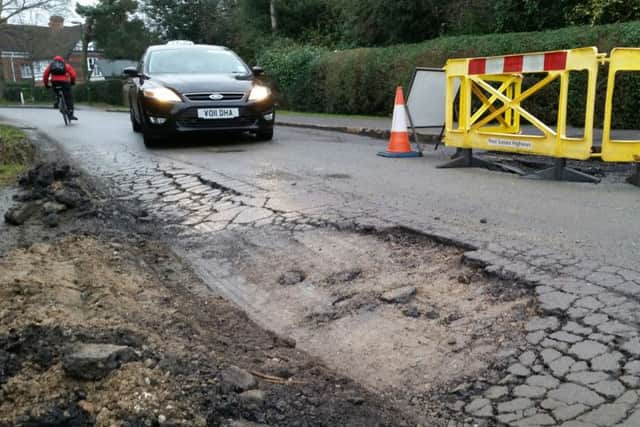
(12, 8)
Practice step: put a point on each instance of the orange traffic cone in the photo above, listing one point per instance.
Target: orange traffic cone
(399, 145)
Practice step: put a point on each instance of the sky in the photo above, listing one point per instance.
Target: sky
(87, 1)
(82, 2)
(41, 17)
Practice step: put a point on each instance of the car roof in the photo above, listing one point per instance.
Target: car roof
(184, 47)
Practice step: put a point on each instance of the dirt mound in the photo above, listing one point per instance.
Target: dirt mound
(101, 325)
(48, 191)
(134, 293)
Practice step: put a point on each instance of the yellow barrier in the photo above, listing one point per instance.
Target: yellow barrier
(621, 59)
(504, 103)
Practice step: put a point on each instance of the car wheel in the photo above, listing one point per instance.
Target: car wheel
(150, 141)
(134, 123)
(265, 135)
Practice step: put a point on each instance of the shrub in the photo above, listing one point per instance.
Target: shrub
(362, 81)
(11, 92)
(292, 67)
(16, 152)
(106, 91)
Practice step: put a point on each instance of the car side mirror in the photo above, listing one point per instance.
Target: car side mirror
(257, 71)
(131, 72)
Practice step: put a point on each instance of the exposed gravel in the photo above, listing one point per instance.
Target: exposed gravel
(100, 324)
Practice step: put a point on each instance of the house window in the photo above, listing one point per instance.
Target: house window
(96, 72)
(38, 68)
(25, 71)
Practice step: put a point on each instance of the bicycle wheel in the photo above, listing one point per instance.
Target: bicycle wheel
(63, 109)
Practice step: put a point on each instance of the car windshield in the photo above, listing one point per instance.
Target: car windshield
(195, 61)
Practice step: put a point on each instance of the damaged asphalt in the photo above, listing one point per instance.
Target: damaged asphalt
(575, 361)
(101, 324)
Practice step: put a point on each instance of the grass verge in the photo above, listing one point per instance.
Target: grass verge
(16, 153)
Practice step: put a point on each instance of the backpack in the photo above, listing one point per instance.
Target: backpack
(58, 68)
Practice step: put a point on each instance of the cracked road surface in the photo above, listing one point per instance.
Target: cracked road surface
(576, 244)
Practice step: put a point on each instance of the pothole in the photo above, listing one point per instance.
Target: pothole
(277, 175)
(395, 310)
(337, 176)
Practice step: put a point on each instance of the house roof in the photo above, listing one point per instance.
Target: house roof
(41, 42)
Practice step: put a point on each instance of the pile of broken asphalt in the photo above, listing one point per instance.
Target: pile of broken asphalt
(101, 324)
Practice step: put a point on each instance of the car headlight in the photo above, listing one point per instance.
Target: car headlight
(162, 94)
(259, 93)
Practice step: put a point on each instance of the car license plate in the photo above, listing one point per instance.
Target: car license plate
(218, 113)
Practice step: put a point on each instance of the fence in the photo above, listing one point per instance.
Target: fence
(488, 110)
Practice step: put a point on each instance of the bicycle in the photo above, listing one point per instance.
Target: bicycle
(62, 106)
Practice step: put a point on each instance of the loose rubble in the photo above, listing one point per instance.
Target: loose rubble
(49, 190)
(577, 364)
(101, 325)
(95, 361)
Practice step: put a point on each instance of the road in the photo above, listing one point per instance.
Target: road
(341, 172)
(243, 212)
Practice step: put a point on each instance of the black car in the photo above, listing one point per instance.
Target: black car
(184, 87)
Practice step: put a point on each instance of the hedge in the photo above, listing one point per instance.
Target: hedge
(362, 81)
(11, 92)
(106, 91)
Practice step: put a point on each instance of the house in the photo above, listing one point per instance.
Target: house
(26, 50)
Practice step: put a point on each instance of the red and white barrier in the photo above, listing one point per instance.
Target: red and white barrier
(533, 63)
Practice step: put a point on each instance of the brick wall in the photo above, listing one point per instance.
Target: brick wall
(19, 65)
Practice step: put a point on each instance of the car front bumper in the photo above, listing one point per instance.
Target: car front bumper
(161, 119)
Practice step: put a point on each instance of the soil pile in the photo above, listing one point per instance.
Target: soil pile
(49, 191)
(108, 327)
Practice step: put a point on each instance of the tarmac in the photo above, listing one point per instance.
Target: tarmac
(575, 244)
(378, 127)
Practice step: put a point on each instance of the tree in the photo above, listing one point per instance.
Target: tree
(309, 21)
(13, 8)
(384, 22)
(469, 17)
(201, 21)
(253, 16)
(113, 25)
(274, 15)
(532, 15)
(597, 12)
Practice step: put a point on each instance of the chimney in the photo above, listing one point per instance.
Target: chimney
(56, 22)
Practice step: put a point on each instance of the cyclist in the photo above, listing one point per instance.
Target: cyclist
(62, 77)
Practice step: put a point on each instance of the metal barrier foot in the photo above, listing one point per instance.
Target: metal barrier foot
(465, 159)
(635, 178)
(560, 172)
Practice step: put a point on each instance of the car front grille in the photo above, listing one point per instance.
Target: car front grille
(189, 119)
(239, 122)
(205, 96)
